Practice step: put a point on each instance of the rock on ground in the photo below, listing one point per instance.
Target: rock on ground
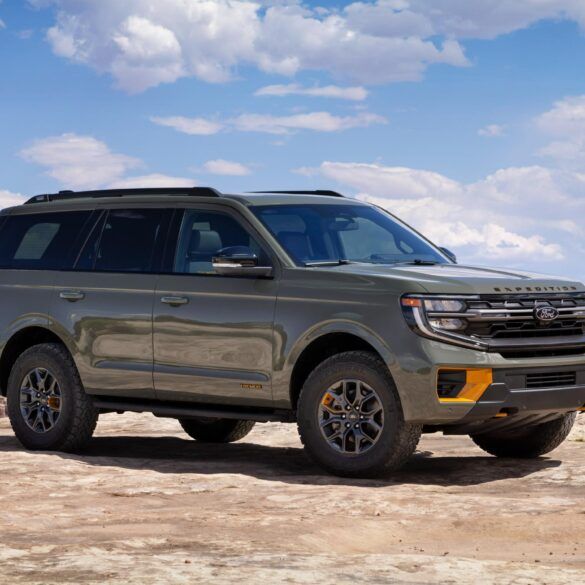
(147, 505)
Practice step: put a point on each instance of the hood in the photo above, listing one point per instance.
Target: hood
(461, 279)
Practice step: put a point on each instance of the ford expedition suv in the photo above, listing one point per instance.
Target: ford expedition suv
(226, 310)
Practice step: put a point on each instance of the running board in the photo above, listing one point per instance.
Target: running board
(189, 410)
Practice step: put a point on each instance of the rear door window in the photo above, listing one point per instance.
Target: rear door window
(125, 240)
(44, 241)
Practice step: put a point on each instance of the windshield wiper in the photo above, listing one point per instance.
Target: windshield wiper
(421, 262)
(339, 262)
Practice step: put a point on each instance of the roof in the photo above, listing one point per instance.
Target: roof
(279, 198)
(251, 198)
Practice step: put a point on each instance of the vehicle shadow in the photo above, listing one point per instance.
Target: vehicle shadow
(285, 464)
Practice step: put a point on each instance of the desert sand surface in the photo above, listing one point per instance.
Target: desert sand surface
(146, 504)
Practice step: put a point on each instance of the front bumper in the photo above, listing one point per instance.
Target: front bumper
(508, 404)
(510, 394)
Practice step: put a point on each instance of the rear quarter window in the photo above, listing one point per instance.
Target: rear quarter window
(43, 241)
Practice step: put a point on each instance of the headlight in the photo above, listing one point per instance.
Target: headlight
(442, 318)
(444, 305)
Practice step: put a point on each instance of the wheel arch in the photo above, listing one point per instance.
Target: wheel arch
(19, 342)
(327, 342)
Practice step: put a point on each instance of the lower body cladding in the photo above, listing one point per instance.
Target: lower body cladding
(508, 399)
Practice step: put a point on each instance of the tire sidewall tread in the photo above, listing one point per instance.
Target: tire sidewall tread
(533, 442)
(399, 439)
(78, 417)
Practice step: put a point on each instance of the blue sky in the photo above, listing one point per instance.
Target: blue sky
(464, 117)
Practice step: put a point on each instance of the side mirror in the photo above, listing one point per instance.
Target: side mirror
(239, 261)
(449, 254)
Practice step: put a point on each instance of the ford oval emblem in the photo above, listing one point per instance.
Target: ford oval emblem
(546, 314)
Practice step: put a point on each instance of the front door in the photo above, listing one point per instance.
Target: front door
(213, 334)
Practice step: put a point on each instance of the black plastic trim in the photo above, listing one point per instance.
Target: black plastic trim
(103, 193)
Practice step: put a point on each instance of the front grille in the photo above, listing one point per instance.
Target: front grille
(513, 325)
(551, 380)
(510, 317)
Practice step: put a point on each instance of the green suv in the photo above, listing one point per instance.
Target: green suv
(226, 310)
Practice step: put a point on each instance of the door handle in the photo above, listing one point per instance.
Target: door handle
(72, 295)
(174, 301)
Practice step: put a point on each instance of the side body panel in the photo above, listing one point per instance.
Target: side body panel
(316, 302)
(109, 331)
(218, 346)
(25, 298)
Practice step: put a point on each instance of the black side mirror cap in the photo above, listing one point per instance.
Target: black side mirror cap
(239, 261)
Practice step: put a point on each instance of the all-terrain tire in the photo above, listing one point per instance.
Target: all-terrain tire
(530, 442)
(78, 417)
(397, 440)
(221, 430)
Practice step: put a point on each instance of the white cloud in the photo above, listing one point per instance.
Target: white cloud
(328, 91)
(226, 167)
(83, 162)
(193, 126)
(492, 131)
(2, 24)
(566, 123)
(315, 121)
(153, 180)
(487, 19)
(524, 214)
(143, 43)
(8, 199)
(79, 161)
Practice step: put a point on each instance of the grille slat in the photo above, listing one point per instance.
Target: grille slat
(551, 380)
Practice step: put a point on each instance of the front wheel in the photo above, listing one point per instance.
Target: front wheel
(216, 430)
(350, 417)
(530, 442)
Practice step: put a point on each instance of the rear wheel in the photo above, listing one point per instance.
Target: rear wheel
(530, 442)
(216, 430)
(350, 417)
(47, 405)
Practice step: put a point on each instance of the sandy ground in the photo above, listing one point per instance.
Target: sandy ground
(147, 505)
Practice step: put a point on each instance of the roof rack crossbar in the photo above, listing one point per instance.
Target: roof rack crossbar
(98, 194)
(315, 192)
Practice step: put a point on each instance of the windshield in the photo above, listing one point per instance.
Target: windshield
(313, 234)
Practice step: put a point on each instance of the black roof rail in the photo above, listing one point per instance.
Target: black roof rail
(97, 194)
(317, 192)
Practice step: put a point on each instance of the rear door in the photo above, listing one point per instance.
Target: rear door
(213, 334)
(105, 302)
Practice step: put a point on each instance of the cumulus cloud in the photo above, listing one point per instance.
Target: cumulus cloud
(515, 214)
(193, 126)
(565, 123)
(83, 162)
(329, 91)
(492, 131)
(268, 124)
(143, 43)
(460, 19)
(8, 199)
(226, 167)
(79, 161)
